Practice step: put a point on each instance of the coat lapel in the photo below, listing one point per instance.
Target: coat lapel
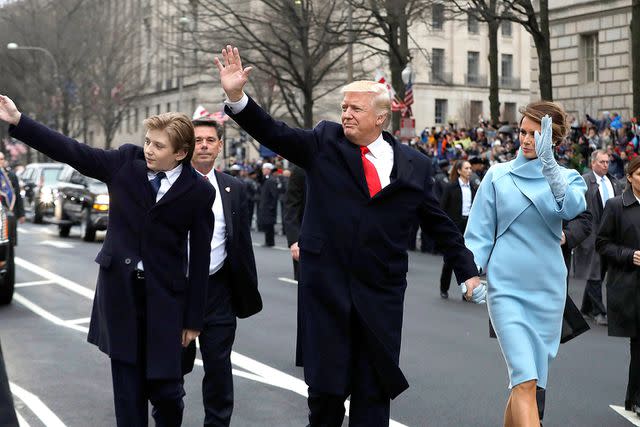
(225, 196)
(351, 155)
(184, 182)
(140, 171)
(402, 169)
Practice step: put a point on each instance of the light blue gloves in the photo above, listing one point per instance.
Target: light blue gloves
(479, 294)
(550, 168)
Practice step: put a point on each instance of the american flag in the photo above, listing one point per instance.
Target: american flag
(408, 95)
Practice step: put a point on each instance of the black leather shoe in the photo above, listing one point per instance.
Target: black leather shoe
(444, 295)
(636, 409)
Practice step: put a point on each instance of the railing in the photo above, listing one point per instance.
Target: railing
(475, 80)
(438, 78)
(509, 82)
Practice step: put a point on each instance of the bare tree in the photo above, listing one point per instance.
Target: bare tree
(300, 46)
(389, 21)
(536, 24)
(487, 11)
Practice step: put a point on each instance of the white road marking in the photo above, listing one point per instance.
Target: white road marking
(21, 421)
(44, 313)
(56, 244)
(79, 321)
(48, 418)
(258, 371)
(59, 280)
(628, 415)
(36, 283)
(24, 230)
(287, 280)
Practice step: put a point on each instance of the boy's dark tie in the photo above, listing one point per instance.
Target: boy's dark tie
(155, 183)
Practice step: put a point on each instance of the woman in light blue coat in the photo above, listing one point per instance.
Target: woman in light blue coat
(514, 232)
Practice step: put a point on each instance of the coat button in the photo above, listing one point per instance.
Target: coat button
(127, 261)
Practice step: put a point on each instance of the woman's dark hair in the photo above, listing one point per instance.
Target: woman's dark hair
(632, 166)
(535, 111)
(455, 170)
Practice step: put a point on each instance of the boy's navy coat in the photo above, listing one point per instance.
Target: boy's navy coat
(140, 229)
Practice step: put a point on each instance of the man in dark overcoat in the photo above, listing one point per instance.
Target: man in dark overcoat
(364, 190)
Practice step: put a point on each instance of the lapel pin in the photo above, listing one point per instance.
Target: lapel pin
(227, 189)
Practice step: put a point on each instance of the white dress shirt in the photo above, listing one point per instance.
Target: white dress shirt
(165, 185)
(219, 240)
(609, 187)
(466, 197)
(380, 151)
(381, 155)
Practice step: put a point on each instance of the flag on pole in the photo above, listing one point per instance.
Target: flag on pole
(381, 78)
(203, 113)
(408, 98)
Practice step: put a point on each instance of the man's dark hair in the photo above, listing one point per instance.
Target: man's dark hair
(211, 123)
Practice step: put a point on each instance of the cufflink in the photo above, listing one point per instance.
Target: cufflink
(227, 189)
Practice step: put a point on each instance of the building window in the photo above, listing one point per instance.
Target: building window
(473, 61)
(157, 109)
(507, 65)
(441, 110)
(473, 26)
(146, 112)
(136, 120)
(509, 113)
(475, 111)
(168, 107)
(437, 16)
(506, 28)
(589, 54)
(437, 62)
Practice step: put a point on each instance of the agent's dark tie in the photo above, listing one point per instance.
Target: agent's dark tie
(155, 183)
(370, 173)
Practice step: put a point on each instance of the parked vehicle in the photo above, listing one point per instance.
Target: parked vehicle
(80, 200)
(39, 181)
(7, 263)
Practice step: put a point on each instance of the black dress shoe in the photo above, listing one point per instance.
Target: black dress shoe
(444, 295)
(636, 409)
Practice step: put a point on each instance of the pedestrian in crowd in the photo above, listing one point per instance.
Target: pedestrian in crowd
(233, 284)
(517, 215)
(10, 191)
(618, 241)
(363, 189)
(8, 416)
(456, 202)
(268, 207)
(441, 178)
(252, 191)
(293, 214)
(601, 186)
(150, 295)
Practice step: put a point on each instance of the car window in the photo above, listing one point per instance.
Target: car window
(50, 175)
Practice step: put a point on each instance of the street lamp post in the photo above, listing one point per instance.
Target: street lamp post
(15, 46)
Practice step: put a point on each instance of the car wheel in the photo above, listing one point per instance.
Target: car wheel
(63, 230)
(9, 280)
(37, 213)
(87, 230)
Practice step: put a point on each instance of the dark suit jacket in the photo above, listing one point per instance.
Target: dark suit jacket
(245, 297)
(451, 202)
(269, 197)
(140, 229)
(353, 248)
(588, 262)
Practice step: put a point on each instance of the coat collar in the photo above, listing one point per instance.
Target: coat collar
(628, 198)
(225, 196)
(400, 174)
(185, 181)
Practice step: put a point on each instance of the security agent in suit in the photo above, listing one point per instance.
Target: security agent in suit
(151, 288)
(363, 191)
(233, 285)
(601, 186)
(268, 206)
(456, 201)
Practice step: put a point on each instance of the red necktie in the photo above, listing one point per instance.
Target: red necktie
(370, 173)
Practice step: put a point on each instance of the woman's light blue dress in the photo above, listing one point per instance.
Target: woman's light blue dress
(514, 232)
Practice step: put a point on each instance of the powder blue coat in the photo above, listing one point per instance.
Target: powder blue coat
(514, 232)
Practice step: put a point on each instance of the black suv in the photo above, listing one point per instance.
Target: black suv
(80, 201)
(38, 180)
(7, 264)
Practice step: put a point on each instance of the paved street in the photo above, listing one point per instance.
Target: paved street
(457, 374)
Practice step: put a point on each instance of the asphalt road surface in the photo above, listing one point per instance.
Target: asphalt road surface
(456, 372)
